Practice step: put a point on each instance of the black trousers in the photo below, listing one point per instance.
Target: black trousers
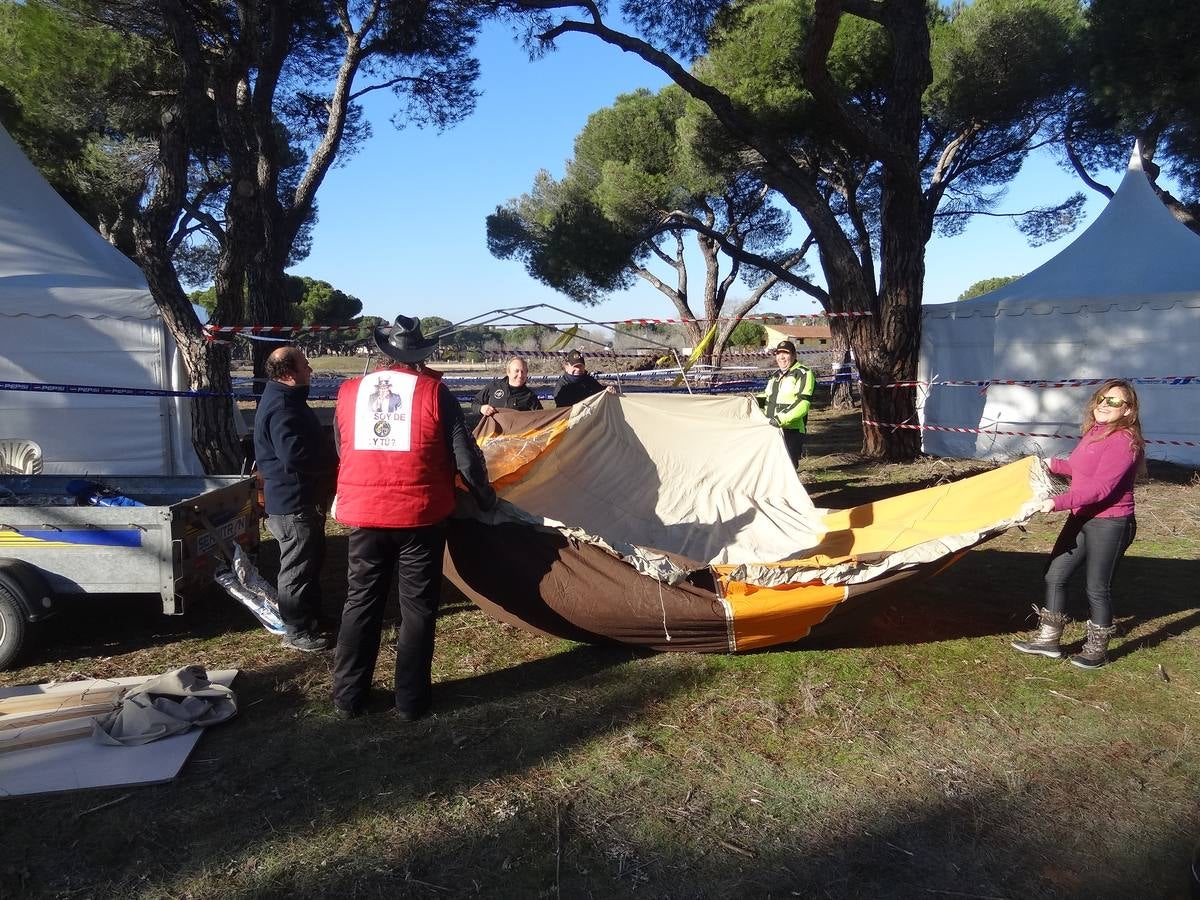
(794, 441)
(1100, 543)
(301, 537)
(415, 555)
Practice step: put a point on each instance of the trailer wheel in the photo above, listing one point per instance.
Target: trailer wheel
(14, 629)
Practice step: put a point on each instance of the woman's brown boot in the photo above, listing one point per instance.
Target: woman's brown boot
(1095, 649)
(1044, 641)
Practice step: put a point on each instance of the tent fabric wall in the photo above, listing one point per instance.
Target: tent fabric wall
(73, 310)
(1122, 301)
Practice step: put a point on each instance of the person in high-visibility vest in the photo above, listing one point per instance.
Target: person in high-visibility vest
(787, 397)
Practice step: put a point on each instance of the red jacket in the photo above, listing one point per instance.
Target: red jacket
(396, 470)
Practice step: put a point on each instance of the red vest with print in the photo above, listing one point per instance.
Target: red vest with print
(396, 470)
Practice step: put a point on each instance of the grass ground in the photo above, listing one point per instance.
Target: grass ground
(903, 751)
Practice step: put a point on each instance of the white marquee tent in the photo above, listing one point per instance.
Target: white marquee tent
(73, 310)
(1122, 301)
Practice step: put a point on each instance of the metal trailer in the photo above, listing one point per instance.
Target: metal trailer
(171, 546)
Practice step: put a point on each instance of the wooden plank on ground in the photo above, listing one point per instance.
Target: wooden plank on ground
(55, 700)
(15, 722)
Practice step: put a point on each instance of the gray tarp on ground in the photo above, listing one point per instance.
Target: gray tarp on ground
(170, 704)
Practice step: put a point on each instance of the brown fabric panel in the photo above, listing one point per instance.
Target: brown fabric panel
(516, 421)
(536, 579)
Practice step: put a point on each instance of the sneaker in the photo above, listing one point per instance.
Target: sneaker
(307, 643)
(346, 713)
(407, 716)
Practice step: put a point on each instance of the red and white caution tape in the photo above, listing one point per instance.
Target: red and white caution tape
(754, 318)
(1042, 382)
(492, 355)
(957, 429)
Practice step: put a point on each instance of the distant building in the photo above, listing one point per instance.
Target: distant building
(800, 335)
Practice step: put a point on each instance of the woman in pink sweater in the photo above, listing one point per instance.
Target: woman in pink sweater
(1101, 523)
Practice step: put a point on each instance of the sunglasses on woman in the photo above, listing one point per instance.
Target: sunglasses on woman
(1114, 402)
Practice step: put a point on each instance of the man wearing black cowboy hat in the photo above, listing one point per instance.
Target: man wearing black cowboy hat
(787, 398)
(401, 437)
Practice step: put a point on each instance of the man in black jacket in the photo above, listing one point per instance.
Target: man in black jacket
(299, 470)
(576, 382)
(509, 391)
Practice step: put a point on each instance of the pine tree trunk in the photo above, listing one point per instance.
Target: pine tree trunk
(229, 282)
(888, 407)
(897, 330)
(268, 305)
(842, 397)
(843, 390)
(214, 435)
(214, 432)
(906, 228)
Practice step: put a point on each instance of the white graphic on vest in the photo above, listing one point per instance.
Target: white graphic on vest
(382, 411)
(385, 399)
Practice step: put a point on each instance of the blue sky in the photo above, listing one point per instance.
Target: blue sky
(402, 222)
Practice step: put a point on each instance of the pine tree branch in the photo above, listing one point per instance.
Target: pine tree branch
(680, 219)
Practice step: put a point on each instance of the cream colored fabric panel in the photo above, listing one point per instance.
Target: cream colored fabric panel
(705, 477)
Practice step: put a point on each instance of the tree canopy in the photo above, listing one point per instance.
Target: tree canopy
(986, 286)
(74, 96)
(637, 185)
(311, 302)
(1140, 77)
(239, 109)
(473, 337)
(318, 302)
(876, 121)
(529, 337)
(748, 334)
